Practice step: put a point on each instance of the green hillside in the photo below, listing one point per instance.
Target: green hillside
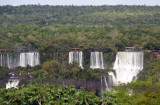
(81, 15)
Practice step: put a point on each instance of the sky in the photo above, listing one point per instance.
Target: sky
(80, 2)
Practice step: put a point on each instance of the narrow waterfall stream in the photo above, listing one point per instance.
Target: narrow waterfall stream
(104, 84)
(3, 59)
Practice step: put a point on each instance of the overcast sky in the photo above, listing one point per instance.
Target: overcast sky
(80, 2)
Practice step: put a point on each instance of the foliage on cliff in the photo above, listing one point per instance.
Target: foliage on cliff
(138, 93)
(4, 75)
(53, 70)
(152, 72)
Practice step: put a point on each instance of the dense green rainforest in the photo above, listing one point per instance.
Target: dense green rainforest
(57, 29)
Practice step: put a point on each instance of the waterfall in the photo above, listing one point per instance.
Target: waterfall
(22, 59)
(110, 81)
(104, 84)
(81, 59)
(29, 58)
(3, 60)
(12, 60)
(127, 66)
(12, 83)
(76, 56)
(96, 60)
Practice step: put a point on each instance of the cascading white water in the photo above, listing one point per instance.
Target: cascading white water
(104, 84)
(81, 59)
(12, 83)
(110, 82)
(96, 60)
(29, 58)
(127, 66)
(76, 56)
(3, 60)
(23, 59)
(12, 60)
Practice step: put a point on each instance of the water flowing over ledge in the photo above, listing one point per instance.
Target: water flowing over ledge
(127, 65)
(22, 59)
(76, 56)
(96, 61)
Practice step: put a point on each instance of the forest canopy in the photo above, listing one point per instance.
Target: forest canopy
(84, 15)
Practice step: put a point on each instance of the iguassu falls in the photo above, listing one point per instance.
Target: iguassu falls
(80, 53)
(127, 65)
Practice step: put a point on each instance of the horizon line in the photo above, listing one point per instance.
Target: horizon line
(80, 5)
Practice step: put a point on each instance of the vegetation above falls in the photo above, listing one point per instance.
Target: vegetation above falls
(104, 27)
(80, 15)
